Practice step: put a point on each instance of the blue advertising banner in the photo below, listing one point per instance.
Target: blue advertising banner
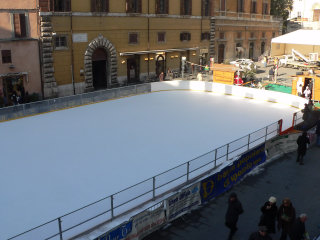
(119, 233)
(228, 176)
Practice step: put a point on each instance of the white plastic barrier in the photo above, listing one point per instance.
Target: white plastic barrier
(253, 93)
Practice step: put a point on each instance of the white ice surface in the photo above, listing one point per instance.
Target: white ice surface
(57, 162)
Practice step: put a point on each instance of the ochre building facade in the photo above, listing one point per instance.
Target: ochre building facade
(89, 45)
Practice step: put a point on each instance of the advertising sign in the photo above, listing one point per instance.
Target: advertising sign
(230, 175)
(118, 233)
(147, 222)
(182, 202)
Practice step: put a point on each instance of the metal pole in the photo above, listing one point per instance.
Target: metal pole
(60, 228)
(183, 62)
(215, 158)
(111, 199)
(188, 166)
(248, 141)
(154, 187)
(266, 134)
(227, 151)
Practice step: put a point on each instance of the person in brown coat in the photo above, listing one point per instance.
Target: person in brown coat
(286, 217)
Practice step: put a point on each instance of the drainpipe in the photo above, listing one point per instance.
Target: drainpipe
(72, 57)
(39, 48)
(148, 47)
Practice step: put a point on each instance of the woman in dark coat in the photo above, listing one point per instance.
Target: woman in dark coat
(302, 142)
(286, 217)
(269, 215)
(232, 214)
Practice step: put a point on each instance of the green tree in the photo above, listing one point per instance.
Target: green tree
(281, 9)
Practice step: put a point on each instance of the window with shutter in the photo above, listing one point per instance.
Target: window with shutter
(185, 36)
(162, 6)
(186, 7)
(6, 56)
(253, 6)
(222, 5)
(205, 36)
(205, 7)
(99, 5)
(265, 8)
(161, 37)
(133, 38)
(62, 5)
(133, 6)
(240, 5)
(19, 23)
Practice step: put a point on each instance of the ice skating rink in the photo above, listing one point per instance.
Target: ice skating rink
(57, 162)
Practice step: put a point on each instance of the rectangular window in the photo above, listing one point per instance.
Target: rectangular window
(133, 6)
(252, 35)
(221, 35)
(61, 42)
(206, 8)
(62, 5)
(162, 7)
(265, 8)
(185, 7)
(239, 35)
(161, 37)
(273, 34)
(133, 38)
(222, 5)
(205, 36)
(99, 5)
(263, 35)
(185, 36)
(253, 6)
(240, 5)
(19, 23)
(6, 56)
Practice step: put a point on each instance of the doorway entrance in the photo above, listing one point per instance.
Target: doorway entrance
(99, 69)
(160, 65)
(133, 69)
(221, 53)
(13, 90)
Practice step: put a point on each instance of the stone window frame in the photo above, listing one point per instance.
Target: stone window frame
(129, 38)
(165, 39)
(6, 56)
(17, 16)
(205, 36)
(58, 37)
(185, 36)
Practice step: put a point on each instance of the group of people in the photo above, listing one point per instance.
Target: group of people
(284, 216)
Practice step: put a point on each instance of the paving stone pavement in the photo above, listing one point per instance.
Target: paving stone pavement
(280, 178)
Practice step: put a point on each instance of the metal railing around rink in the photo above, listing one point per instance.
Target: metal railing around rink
(110, 207)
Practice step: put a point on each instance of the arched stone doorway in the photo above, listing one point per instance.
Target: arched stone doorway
(220, 53)
(104, 48)
(160, 65)
(99, 69)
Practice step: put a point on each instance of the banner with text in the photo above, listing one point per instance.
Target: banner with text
(228, 176)
(147, 222)
(182, 202)
(118, 233)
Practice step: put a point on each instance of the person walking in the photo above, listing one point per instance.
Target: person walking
(298, 230)
(269, 215)
(271, 74)
(262, 234)
(286, 217)
(232, 214)
(302, 142)
(161, 76)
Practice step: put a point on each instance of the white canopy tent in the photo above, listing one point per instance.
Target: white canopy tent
(304, 41)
